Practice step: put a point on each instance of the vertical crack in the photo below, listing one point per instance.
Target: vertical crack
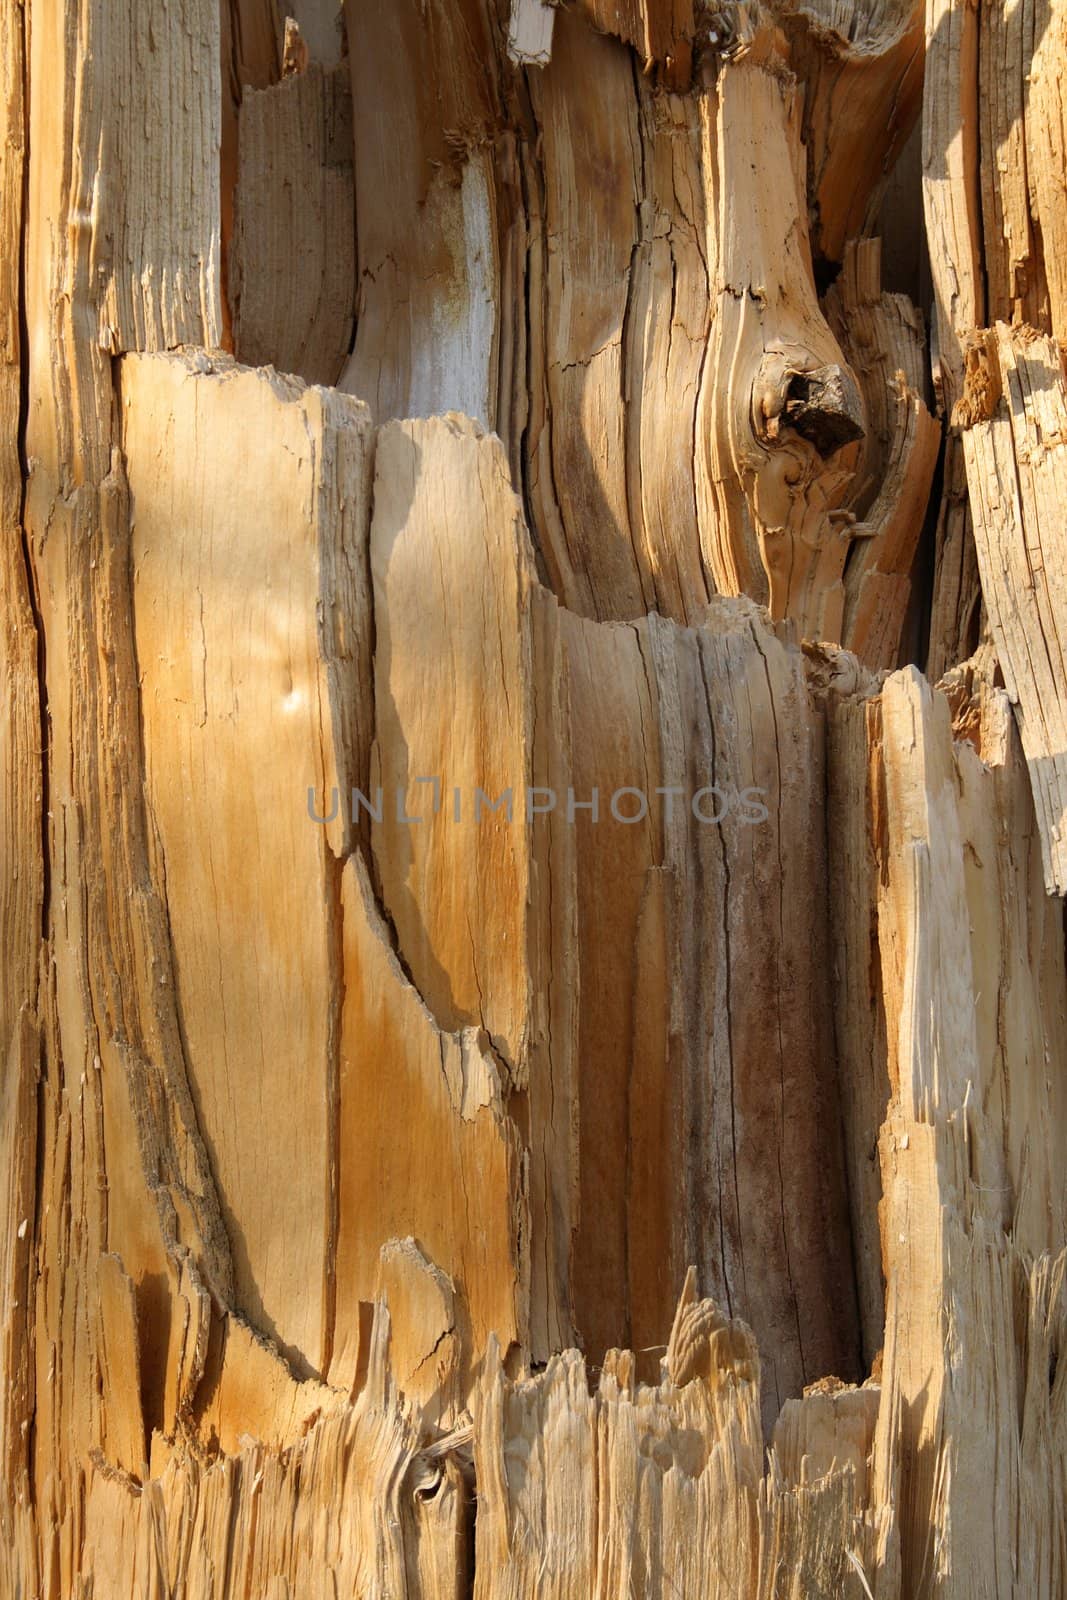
(728, 979)
(781, 944)
(32, 593)
(334, 870)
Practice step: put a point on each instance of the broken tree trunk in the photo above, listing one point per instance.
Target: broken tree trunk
(533, 1040)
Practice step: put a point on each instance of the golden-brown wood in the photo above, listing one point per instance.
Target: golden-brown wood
(480, 866)
(1016, 454)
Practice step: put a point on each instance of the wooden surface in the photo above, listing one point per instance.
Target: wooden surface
(1016, 456)
(446, 448)
(292, 267)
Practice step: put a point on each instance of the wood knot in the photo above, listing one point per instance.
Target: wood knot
(821, 404)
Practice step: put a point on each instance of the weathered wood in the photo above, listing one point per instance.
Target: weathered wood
(121, 1167)
(694, 868)
(471, 878)
(862, 65)
(278, 590)
(992, 171)
(881, 336)
(673, 399)
(1046, 146)
(956, 610)
(1015, 448)
(967, 1235)
(292, 264)
(22, 771)
(428, 207)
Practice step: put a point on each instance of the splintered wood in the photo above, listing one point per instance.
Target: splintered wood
(206, 560)
(698, 1021)
(1016, 455)
(533, 1041)
(671, 396)
(993, 166)
(994, 191)
(292, 267)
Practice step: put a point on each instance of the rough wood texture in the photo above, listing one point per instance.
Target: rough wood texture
(993, 171)
(956, 609)
(207, 553)
(672, 398)
(974, 1311)
(158, 251)
(882, 337)
(1016, 455)
(480, 868)
(21, 757)
(863, 68)
(1046, 146)
(994, 205)
(292, 267)
(697, 958)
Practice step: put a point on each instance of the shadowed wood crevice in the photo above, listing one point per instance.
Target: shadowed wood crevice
(292, 259)
(670, 745)
(646, 390)
(883, 337)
